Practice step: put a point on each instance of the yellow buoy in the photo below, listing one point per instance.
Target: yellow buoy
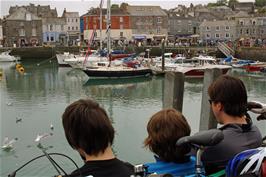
(20, 68)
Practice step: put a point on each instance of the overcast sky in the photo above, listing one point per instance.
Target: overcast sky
(82, 6)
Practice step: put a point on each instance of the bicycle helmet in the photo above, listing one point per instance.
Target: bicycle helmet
(249, 161)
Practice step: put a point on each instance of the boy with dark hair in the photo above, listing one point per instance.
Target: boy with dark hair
(164, 129)
(89, 131)
(228, 100)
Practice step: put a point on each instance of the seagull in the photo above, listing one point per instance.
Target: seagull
(9, 104)
(18, 120)
(8, 145)
(51, 127)
(39, 137)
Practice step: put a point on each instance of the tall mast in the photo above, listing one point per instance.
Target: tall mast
(101, 24)
(108, 27)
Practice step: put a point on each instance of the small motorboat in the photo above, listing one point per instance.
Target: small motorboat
(6, 57)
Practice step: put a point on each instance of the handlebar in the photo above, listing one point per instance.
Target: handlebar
(203, 138)
(257, 108)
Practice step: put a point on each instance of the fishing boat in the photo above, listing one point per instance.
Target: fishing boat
(103, 70)
(194, 67)
(62, 57)
(6, 57)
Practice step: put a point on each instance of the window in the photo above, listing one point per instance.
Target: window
(189, 30)
(76, 20)
(28, 17)
(95, 34)
(254, 31)
(159, 19)
(121, 19)
(241, 31)
(227, 28)
(253, 22)
(51, 27)
(47, 38)
(247, 31)
(121, 34)
(217, 28)
(121, 26)
(73, 28)
(208, 36)
(22, 32)
(34, 32)
(52, 38)
(72, 20)
(62, 27)
(77, 28)
(69, 28)
(227, 35)
(158, 30)
(262, 31)
(241, 23)
(217, 35)
(208, 28)
(189, 22)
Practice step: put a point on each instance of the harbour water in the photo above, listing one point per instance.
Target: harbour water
(39, 96)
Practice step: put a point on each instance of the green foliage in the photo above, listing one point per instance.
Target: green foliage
(231, 3)
(115, 6)
(262, 10)
(218, 3)
(221, 2)
(260, 3)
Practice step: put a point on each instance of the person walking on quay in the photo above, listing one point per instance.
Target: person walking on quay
(164, 129)
(228, 100)
(89, 131)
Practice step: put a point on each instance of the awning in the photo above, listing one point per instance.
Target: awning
(139, 37)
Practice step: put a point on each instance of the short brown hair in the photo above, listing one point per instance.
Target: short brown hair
(232, 94)
(164, 129)
(87, 126)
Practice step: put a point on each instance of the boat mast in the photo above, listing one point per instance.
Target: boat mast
(109, 30)
(101, 24)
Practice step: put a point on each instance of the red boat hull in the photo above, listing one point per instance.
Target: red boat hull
(200, 72)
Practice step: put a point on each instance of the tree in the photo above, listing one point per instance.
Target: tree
(260, 3)
(232, 3)
(218, 3)
(221, 2)
(115, 6)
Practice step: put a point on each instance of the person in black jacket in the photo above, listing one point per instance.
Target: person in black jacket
(89, 131)
(228, 100)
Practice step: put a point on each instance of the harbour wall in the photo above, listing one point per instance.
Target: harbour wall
(50, 52)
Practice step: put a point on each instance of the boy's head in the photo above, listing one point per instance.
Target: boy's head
(164, 129)
(87, 127)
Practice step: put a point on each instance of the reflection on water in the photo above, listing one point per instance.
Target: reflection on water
(40, 96)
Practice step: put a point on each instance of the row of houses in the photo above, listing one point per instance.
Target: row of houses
(38, 25)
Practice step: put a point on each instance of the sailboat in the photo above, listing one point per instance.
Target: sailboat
(107, 70)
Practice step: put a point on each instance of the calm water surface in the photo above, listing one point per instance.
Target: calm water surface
(40, 96)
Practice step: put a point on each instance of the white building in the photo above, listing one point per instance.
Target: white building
(73, 26)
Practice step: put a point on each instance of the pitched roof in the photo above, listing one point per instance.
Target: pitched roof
(146, 11)
(20, 14)
(114, 11)
(218, 22)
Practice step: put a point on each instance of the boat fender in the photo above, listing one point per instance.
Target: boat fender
(21, 70)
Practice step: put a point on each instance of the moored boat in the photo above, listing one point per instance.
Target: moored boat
(6, 57)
